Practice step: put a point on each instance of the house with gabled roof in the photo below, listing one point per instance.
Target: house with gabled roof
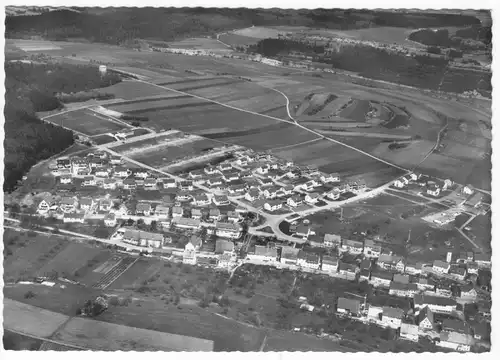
(227, 230)
(214, 214)
(352, 246)
(347, 269)
(329, 263)
(381, 278)
(348, 306)
(294, 201)
(169, 183)
(252, 194)
(143, 209)
(441, 267)
(129, 184)
(201, 200)
(312, 198)
(413, 268)
(196, 214)
(73, 218)
(329, 178)
(109, 184)
(233, 216)
(221, 200)
(333, 195)
(150, 184)
(455, 341)
(308, 260)
(110, 220)
(425, 319)
(364, 275)
(402, 290)
(46, 205)
(392, 317)
(482, 260)
(332, 240)
(183, 196)
(263, 253)
(371, 249)
(162, 211)
(435, 303)
(177, 212)
(467, 292)
(409, 332)
(186, 223)
(289, 255)
(86, 203)
(458, 273)
(211, 170)
(68, 204)
(273, 205)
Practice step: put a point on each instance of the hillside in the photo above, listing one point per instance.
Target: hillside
(120, 24)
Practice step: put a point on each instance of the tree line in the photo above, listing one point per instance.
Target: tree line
(30, 88)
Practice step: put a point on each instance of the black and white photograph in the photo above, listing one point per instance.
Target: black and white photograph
(247, 179)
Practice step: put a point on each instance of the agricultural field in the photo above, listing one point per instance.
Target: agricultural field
(356, 110)
(15, 341)
(86, 122)
(143, 102)
(335, 158)
(234, 39)
(132, 90)
(31, 320)
(113, 337)
(147, 142)
(198, 43)
(166, 103)
(258, 32)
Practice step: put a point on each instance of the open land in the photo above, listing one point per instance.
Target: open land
(86, 122)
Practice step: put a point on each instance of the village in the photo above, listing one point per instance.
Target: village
(220, 207)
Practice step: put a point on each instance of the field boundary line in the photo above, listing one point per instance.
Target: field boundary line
(128, 267)
(288, 146)
(278, 119)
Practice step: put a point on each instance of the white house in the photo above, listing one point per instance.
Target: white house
(273, 205)
(110, 220)
(189, 255)
(329, 178)
(435, 303)
(109, 184)
(294, 201)
(455, 341)
(86, 204)
(263, 253)
(392, 317)
(65, 179)
(441, 267)
(227, 230)
(409, 332)
(73, 218)
(399, 183)
(45, 205)
(433, 190)
(334, 194)
(468, 190)
(220, 200)
(252, 195)
(312, 198)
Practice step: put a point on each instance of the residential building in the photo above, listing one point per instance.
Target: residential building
(229, 176)
(403, 290)
(68, 205)
(220, 200)
(443, 290)
(186, 185)
(73, 218)
(66, 179)
(233, 216)
(287, 189)
(401, 278)
(109, 184)
(467, 292)
(458, 273)
(86, 204)
(177, 212)
(352, 246)
(399, 183)
(225, 166)
(347, 269)
(329, 263)
(482, 330)
(63, 163)
(115, 160)
(375, 313)
(294, 201)
(329, 178)
(162, 211)
(186, 223)
(222, 246)
(129, 184)
(252, 194)
(143, 209)
(228, 230)
(150, 184)
(189, 255)
(202, 200)
(333, 195)
(391, 262)
(435, 303)
(196, 214)
(348, 306)
(273, 205)
(482, 260)
(214, 214)
(381, 278)
(45, 205)
(183, 196)
(392, 317)
(433, 190)
(455, 341)
(308, 260)
(211, 170)
(143, 238)
(310, 185)
(425, 284)
(312, 198)
(169, 183)
(409, 332)
(455, 325)
(110, 220)
(142, 173)
(332, 240)
(441, 267)
(372, 249)
(303, 231)
(102, 172)
(121, 172)
(365, 264)
(105, 205)
(263, 253)
(425, 319)
(289, 255)
(270, 192)
(364, 275)
(413, 268)
(88, 181)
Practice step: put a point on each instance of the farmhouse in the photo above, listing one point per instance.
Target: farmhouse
(435, 303)
(308, 260)
(263, 253)
(73, 218)
(348, 306)
(392, 317)
(409, 332)
(110, 220)
(273, 205)
(289, 255)
(186, 223)
(372, 249)
(329, 263)
(425, 319)
(352, 246)
(294, 201)
(227, 230)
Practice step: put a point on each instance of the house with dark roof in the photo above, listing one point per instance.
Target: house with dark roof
(456, 326)
(177, 212)
(455, 341)
(409, 332)
(263, 253)
(347, 269)
(467, 292)
(441, 267)
(143, 209)
(348, 306)
(403, 290)
(392, 317)
(413, 268)
(329, 263)
(458, 273)
(425, 319)
(332, 240)
(308, 260)
(372, 249)
(381, 278)
(352, 246)
(222, 246)
(401, 278)
(289, 255)
(220, 200)
(436, 304)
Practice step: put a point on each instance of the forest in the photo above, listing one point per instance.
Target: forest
(30, 88)
(120, 25)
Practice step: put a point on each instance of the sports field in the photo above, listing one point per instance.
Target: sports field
(86, 122)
